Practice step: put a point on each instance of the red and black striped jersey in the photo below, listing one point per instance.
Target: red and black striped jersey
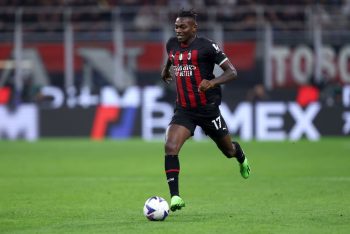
(191, 65)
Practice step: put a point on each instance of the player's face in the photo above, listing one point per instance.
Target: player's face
(185, 29)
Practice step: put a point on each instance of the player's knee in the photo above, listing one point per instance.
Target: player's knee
(171, 148)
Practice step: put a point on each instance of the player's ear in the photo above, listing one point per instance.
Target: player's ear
(195, 27)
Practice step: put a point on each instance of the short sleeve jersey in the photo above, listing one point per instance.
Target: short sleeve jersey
(191, 65)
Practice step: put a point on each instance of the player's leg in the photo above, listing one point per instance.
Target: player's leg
(176, 136)
(215, 127)
(233, 149)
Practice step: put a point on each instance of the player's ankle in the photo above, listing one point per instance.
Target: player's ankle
(239, 154)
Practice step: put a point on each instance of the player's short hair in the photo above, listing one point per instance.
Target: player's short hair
(187, 13)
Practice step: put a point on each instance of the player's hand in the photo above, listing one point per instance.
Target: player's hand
(205, 85)
(166, 76)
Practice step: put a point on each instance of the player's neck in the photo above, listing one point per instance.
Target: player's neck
(188, 42)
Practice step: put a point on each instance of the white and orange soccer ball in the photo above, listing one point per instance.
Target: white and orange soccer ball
(156, 209)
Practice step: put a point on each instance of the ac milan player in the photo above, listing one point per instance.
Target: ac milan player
(198, 98)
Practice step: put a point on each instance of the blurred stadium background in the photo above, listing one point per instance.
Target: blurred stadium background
(75, 68)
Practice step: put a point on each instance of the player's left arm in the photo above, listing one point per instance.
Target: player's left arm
(229, 74)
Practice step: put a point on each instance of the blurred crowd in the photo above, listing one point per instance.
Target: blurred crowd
(149, 15)
(184, 3)
(145, 15)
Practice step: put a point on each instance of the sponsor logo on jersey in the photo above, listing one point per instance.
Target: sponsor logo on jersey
(184, 70)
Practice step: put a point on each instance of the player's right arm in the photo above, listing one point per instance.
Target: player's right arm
(165, 74)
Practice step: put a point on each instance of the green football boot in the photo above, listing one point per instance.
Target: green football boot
(176, 203)
(245, 168)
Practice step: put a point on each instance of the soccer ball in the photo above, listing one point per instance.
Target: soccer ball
(156, 209)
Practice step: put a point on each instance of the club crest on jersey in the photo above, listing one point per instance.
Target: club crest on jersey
(181, 57)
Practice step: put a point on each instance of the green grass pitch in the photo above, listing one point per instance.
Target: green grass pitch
(82, 186)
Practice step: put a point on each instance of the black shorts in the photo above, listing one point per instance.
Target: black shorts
(208, 118)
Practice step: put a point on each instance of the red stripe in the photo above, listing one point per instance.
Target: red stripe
(170, 55)
(180, 92)
(197, 76)
(172, 170)
(188, 82)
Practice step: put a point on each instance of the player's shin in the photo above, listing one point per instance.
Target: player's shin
(172, 170)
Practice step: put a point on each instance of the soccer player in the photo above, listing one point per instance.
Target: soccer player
(198, 98)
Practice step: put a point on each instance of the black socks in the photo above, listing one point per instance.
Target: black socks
(239, 152)
(172, 170)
